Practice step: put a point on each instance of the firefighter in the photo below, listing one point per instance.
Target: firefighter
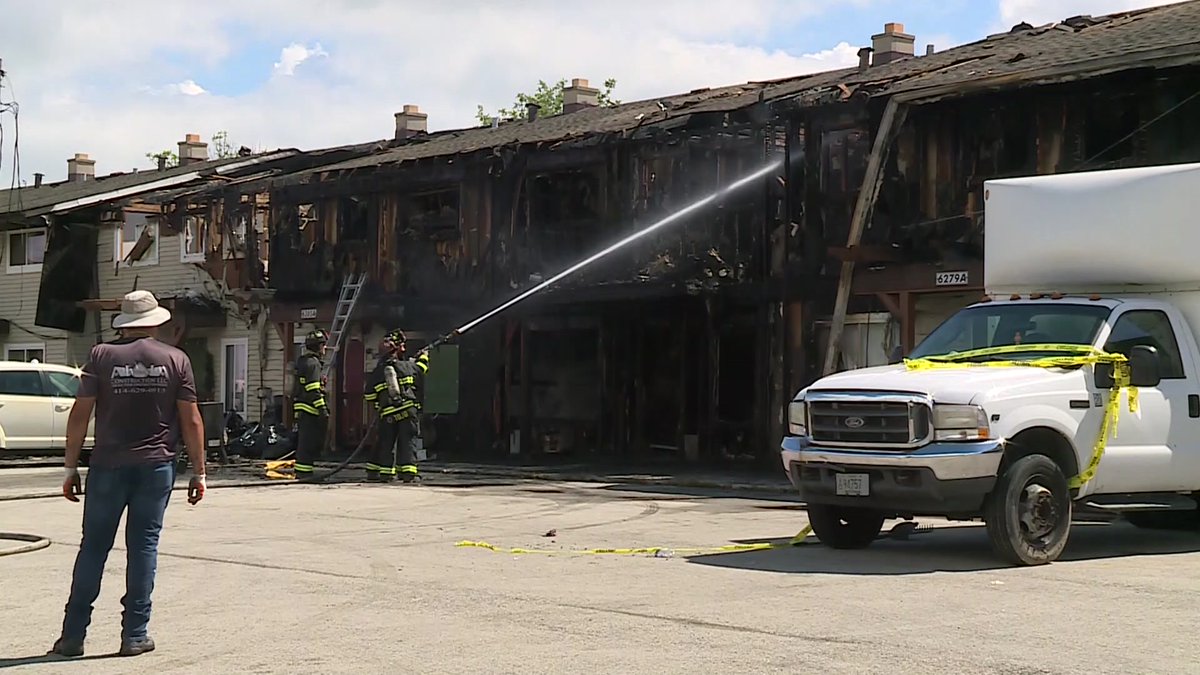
(397, 384)
(312, 411)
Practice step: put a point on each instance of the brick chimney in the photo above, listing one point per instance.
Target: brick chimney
(192, 149)
(579, 96)
(410, 122)
(81, 167)
(892, 44)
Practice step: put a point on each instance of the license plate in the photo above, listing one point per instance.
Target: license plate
(853, 485)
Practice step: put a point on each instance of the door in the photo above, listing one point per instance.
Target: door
(235, 371)
(26, 418)
(1154, 449)
(62, 388)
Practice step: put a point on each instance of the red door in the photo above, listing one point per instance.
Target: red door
(350, 403)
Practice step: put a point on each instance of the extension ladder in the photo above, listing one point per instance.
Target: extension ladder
(351, 288)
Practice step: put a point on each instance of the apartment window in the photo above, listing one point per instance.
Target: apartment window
(26, 353)
(24, 250)
(195, 239)
(236, 247)
(235, 369)
(130, 233)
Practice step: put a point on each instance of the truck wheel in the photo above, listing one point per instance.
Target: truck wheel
(1180, 521)
(844, 527)
(1028, 513)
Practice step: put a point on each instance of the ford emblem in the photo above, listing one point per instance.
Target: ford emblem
(855, 422)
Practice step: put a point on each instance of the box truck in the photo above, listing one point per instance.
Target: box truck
(1072, 386)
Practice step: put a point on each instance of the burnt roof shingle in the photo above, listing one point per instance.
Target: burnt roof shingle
(1021, 50)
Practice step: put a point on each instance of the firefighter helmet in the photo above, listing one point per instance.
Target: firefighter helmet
(316, 339)
(394, 339)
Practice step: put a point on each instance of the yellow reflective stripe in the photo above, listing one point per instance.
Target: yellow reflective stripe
(381, 386)
(371, 466)
(407, 380)
(408, 468)
(302, 380)
(423, 357)
(304, 407)
(424, 366)
(371, 397)
(303, 468)
(319, 403)
(387, 470)
(312, 386)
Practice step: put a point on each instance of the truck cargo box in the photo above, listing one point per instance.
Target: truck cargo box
(1094, 231)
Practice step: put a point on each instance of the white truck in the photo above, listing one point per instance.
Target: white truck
(1106, 260)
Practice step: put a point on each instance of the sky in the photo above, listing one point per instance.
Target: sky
(120, 80)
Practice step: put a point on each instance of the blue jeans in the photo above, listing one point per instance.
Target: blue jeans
(145, 491)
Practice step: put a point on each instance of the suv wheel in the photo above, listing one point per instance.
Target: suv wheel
(845, 527)
(1028, 513)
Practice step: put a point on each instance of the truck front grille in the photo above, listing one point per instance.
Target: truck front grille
(868, 423)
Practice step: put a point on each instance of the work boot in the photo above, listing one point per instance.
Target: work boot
(64, 647)
(410, 479)
(136, 646)
(305, 476)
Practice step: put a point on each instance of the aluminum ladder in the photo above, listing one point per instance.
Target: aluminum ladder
(351, 288)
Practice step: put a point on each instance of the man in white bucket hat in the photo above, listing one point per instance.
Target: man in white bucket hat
(144, 396)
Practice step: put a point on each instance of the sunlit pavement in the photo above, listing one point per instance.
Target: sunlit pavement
(355, 578)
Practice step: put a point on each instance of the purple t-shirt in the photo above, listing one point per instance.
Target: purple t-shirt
(136, 383)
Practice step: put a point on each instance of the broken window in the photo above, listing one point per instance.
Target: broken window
(137, 239)
(25, 250)
(434, 214)
(354, 225)
(195, 239)
(236, 247)
(844, 154)
(566, 206)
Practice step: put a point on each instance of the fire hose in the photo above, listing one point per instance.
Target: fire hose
(33, 543)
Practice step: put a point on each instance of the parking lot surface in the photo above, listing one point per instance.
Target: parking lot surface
(356, 578)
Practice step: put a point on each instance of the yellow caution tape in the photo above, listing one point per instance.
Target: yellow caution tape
(1081, 355)
(651, 550)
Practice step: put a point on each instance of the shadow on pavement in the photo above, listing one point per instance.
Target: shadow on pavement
(51, 659)
(699, 492)
(946, 549)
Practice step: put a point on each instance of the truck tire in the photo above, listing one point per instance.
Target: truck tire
(1179, 521)
(1028, 513)
(845, 527)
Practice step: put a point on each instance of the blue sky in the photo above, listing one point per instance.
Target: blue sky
(120, 80)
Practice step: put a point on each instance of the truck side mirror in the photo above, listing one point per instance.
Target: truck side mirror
(1104, 375)
(1144, 366)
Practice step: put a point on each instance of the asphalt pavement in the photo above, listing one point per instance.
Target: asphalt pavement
(355, 578)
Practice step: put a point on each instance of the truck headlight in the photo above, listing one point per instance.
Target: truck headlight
(798, 418)
(960, 423)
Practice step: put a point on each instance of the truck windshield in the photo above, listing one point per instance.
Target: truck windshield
(1005, 324)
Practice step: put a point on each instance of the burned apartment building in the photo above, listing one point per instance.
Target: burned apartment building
(687, 345)
(657, 350)
(889, 160)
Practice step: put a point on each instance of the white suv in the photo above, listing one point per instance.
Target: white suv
(35, 400)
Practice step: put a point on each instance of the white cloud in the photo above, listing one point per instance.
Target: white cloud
(373, 58)
(1039, 12)
(294, 54)
(189, 88)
